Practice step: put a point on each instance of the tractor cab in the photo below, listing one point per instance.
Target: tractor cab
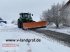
(25, 15)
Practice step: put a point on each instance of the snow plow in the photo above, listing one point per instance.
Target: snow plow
(25, 22)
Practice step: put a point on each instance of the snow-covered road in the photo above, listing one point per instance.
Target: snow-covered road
(12, 32)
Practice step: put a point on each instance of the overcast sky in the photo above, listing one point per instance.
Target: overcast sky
(10, 9)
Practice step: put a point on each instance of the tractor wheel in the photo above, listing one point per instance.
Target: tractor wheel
(19, 24)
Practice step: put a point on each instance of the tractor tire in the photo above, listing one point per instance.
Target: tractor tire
(19, 24)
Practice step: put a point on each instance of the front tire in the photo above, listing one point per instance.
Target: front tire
(19, 24)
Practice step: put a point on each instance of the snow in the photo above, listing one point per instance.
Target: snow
(10, 31)
(62, 29)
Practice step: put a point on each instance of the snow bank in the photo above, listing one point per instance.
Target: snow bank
(62, 29)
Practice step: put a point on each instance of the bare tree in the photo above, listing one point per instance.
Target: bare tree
(53, 15)
(56, 15)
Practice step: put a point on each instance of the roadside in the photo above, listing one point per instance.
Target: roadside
(61, 29)
(60, 37)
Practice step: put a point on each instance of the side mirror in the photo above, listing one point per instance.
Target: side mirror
(32, 14)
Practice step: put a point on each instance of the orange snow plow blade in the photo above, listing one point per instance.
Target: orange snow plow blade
(30, 25)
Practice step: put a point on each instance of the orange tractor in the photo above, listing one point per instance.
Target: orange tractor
(25, 22)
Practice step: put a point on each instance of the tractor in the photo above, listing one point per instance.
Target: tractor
(25, 21)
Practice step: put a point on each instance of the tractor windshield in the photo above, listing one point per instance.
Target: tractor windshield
(25, 15)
